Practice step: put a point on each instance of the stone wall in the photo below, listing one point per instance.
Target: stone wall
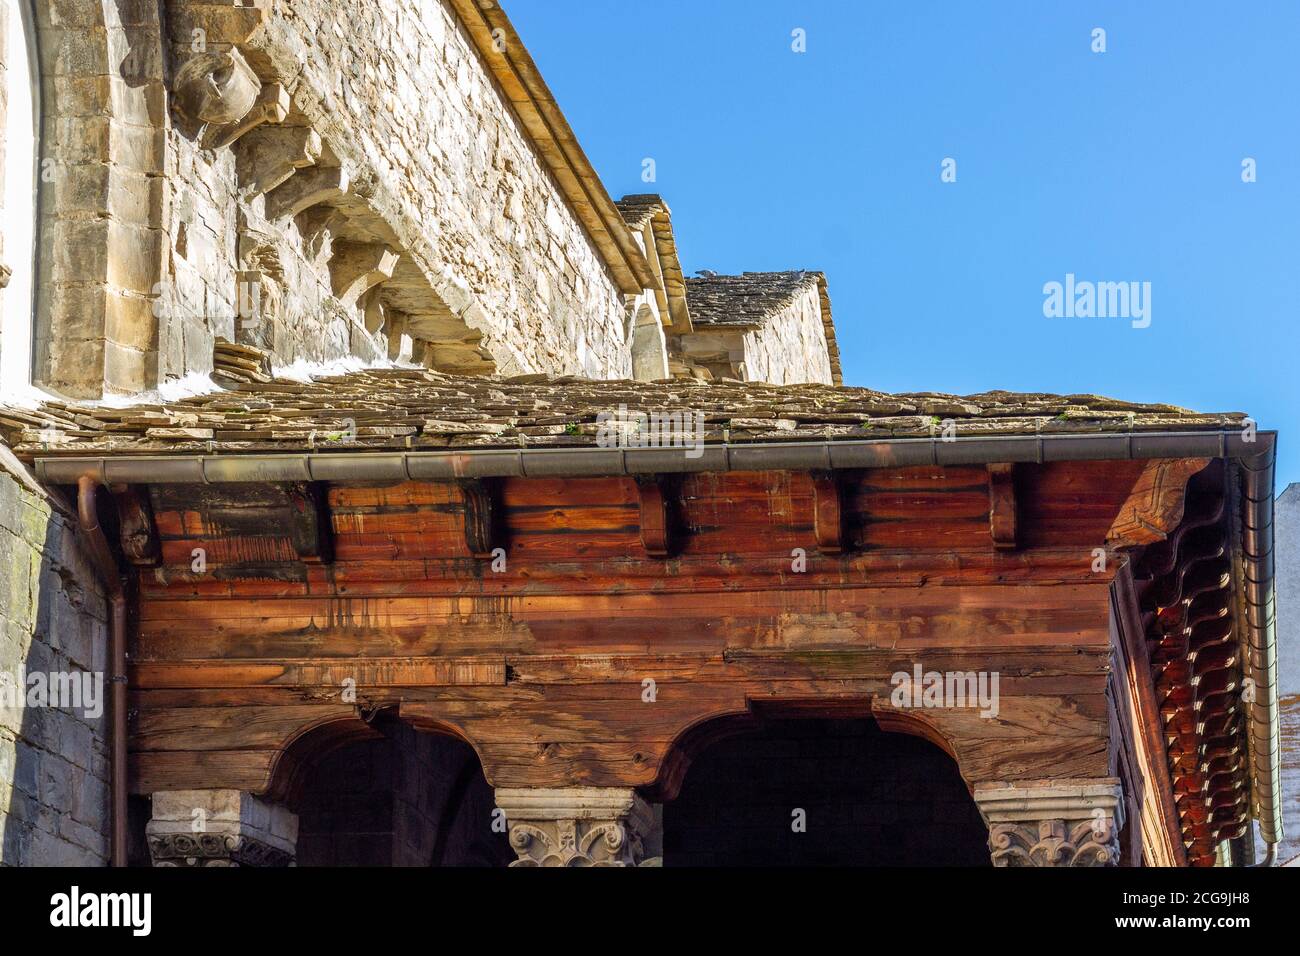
(790, 347)
(770, 327)
(53, 759)
(397, 87)
(374, 124)
(437, 168)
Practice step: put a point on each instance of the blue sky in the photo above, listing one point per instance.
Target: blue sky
(1116, 166)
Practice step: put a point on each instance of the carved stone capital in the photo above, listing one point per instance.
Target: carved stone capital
(581, 826)
(1053, 822)
(214, 849)
(195, 828)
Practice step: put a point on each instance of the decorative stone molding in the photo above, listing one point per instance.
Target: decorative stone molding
(194, 828)
(1053, 822)
(311, 187)
(216, 88)
(272, 106)
(581, 826)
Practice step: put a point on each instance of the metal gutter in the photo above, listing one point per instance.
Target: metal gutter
(1254, 459)
(447, 464)
(1259, 610)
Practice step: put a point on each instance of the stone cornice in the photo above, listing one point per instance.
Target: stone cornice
(1058, 799)
(522, 85)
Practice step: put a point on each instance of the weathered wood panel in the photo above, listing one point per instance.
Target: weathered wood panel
(541, 665)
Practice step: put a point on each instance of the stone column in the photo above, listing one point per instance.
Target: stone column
(582, 826)
(1053, 822)
(220, 828)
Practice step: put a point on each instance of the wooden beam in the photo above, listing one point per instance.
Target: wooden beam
(481, 531)
(1155, 506)
(138, 534)
(1002, 506)
(828, 512)
(654, 494)
(310, 529)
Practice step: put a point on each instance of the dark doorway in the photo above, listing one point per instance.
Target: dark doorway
(868, 798)
(408, 799)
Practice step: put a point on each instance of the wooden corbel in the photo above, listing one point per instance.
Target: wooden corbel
(655, 494)
(481, 530)
(828, 512)
(137, 532)
(310, 529)
(1002, 506)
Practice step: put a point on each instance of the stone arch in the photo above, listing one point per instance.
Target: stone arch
(102, 197)
(387, 791)
(312, 743)
(867, 793)
(710, 729)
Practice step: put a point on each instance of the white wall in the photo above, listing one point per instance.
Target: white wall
(20, 179)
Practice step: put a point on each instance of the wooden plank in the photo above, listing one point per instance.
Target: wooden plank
(415, 672)
(200, 770)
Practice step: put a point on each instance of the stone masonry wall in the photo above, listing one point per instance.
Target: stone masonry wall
(157, 235)
(411, 97)
(53, 760)
(790, 348)
(401, 99)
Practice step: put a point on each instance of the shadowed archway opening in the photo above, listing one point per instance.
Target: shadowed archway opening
(821, 792)
(399, 798)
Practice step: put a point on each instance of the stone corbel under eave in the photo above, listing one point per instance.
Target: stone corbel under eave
(222, 98)
(272, 107)
(308, 188)
(267, 157)
(357, 267)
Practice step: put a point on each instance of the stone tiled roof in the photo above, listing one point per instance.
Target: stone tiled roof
(415, 408)
(639, 208)
(747, 299)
